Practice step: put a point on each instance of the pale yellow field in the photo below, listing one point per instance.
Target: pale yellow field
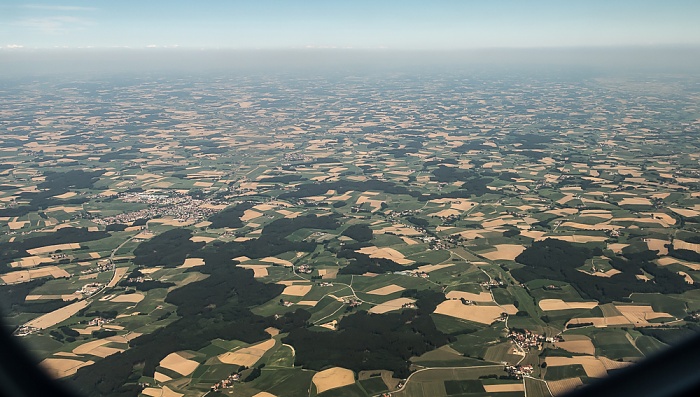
(258, 270)
(247, 356)
(561, 387)
(558, 304)
(264, 394)
(30, 261)
(677, 244)
(394, 304)
(250, 214)
(328, 273)
(685, 212)
(386, 253)
(165, 391)
(296, 290)
(22, 276)
(128, 298)
(657, 245)
(575, 238)
(399, 230)
(192, 262)
(667, 260)
(432, 268)
(50, 319)
(577, 344)
(307, 303)
(409, 241)
(66, 195)
(505, 387)
(480, 297)
(389, 289)
(96, 348)
(635, 201)
(484, 314)
(15, 225)
(504, 252)
(202, 239)
(278, 261)
(95, 255)
(687, 277)
(53, 248)
(161, 378)
(617, 247)
(62, 367)
(170, 221)
(595, 367)
(179, 364)
(640, 315)
(601, 322)
(118, 274)
(333, 378)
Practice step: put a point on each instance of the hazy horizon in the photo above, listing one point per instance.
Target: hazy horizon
(27, 62)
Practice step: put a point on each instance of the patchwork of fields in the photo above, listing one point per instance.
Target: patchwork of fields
(258, 238)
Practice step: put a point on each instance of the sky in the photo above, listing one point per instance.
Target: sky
(356, 24)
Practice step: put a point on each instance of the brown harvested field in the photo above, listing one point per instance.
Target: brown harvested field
(328, 273)
(296, 290)
(504, 252)
(160, 392)
(118, 274)
(561, 387)
(64, 297)
(169, 221)
(593, 367)
(53, 248)
(640, 315)
(277, 261)
(687, 277)
(192, 262)
(258, 270)
(617, 247)
(161, 378)
(409, 241)
(333, 378)
(50, 319)
(30, 261)
(399, 230)
(667, 260)
(181, 365)
(394, 304)
(385, 253)
(96, 348)
(612, 364)
(432, 268)
(202, 239)
(480, 297)
(655, 244)
(577, 344)
(128, 298)
(389, 289)
(686, 212)
(601, 322)
(575, 238)
(480, 313)
(21, 276)
(677, 244)
(250, 215)
(504, 387)
(558, 304)
(62, 367)
(264, 394)
(247, 356)
(634, 201)
(95, 255)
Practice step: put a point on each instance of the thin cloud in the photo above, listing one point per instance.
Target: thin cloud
(57, 7)
(56, 24)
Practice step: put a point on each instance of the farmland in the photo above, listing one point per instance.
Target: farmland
(283, 236)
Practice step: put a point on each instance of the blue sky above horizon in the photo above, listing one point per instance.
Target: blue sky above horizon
(360, 24)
